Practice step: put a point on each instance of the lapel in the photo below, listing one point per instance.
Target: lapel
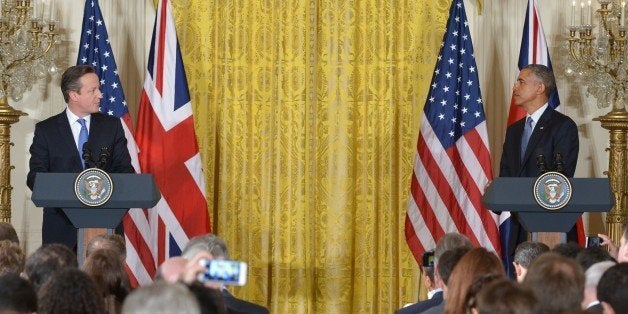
(65, 133)
(540, 129)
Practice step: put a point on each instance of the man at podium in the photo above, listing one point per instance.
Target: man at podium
(62, 141)
(542, 140)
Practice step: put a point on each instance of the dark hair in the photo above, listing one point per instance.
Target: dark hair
(113, 242)
(70, 80)
(569, 249)
(613, 287)
(557, 283)
(527, 251)
(7, 232)
(47, 260)
(12, 258)
(17, 294)
(504, 296)
(70, 291)
(448, 261)
(591, 255)
(107, 271)
(545, 75)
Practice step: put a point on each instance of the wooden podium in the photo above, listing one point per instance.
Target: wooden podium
(129, 191)
(516, 195)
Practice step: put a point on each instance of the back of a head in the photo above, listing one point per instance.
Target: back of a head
(47, 260)
(108, 273)
(7, 232)
(477, 262)
(557, 283)
(70, 291)
(527, 251)
(451, 241)
(161, 297)
(208, 243)
(592, 255)
(569, 249)
(504, 296)
(448, 262)
(17, 295)
(12, 257)
(594, 273)
(613, 288)
(114, 242)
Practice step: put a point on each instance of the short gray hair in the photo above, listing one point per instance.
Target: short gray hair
(209, 243)
(451, 241)
(161, 297)
(527, 251)
(545, 75)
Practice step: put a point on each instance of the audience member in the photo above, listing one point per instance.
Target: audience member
(12, 258)
(620, 253)
(557, 283)
(590, 303)
(170, 270)
(446, 265)
(593, 255)
(612, 290)
(504, 296)
(210, 300)
(114, 242)
(447, 242)
(70, 291)
(525, 253)
(7, 232)
(479, 282)
(569, 249)
(161, 297)
(16, 295)
(109, 275)
(218, 249)
(477, 262)
(46, 261)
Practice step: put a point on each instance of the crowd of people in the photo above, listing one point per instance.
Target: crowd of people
(50, 280)
(567, 278)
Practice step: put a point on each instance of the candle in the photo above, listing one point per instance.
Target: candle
(582, 19)
(573, 13)
(623, 13)
(52, 10)
(35, 12)
(589, 13)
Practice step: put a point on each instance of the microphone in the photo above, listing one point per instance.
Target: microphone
(558, 162)
(104, 157)
(87, 156)
(540, 161)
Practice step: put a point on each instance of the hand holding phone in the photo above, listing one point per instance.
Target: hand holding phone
(223, 272)
(593, 241)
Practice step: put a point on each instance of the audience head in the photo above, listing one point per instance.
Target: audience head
(16, 295)
(591, 279)
(479, 282)
(544, 75)
(504, 296)
(114, 242)
(593, 255)
(450, 241)
(569, 249)
(108, 273)
(7, 232)
(70, 291)
(161, 297)
(170, 270)
(557, 283)
(46, 261)
(12, 258)
(612, 290)
(210, 300)
(448, 262)
(477, 262)
(208, 243)
(525, 253)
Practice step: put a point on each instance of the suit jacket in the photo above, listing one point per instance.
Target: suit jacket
(54, 150)
(235, 305)
(419, 307)
(554, 133)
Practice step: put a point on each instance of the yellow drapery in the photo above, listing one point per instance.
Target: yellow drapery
(307, 114)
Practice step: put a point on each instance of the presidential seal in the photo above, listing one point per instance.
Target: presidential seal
(93, 187)
(552, 190)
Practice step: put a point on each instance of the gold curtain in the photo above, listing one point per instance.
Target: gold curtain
(307, 114)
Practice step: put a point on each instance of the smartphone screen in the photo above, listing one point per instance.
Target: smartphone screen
(224, 271)
(593, 241)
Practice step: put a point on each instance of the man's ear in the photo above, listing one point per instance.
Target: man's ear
(517, 269)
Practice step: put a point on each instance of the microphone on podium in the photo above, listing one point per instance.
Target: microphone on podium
(540, 161)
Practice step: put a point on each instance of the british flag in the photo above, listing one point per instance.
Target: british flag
(166, 139)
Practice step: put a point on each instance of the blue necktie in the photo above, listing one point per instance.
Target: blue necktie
(525, 138)
(82, 138)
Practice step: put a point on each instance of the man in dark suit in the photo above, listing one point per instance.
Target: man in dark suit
(57, 139)
(547, 132)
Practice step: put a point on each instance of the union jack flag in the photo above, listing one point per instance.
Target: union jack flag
(452, 164)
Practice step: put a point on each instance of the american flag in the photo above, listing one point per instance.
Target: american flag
(533, 50)
(452, 164)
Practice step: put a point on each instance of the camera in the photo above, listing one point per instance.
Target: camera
(593, 241)
(223, 271)
(428, 259)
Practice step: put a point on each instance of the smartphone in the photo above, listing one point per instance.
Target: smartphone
(428, 259)
(593, 241)
(224, 272)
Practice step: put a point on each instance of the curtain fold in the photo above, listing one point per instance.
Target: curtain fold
(307, 114)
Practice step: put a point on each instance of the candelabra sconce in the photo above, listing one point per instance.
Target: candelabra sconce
(599, 62)
(27, 54)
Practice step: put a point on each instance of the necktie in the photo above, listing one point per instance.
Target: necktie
(525, 138)
(82, 138)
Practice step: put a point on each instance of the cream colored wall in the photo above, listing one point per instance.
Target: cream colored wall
(496, 36)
